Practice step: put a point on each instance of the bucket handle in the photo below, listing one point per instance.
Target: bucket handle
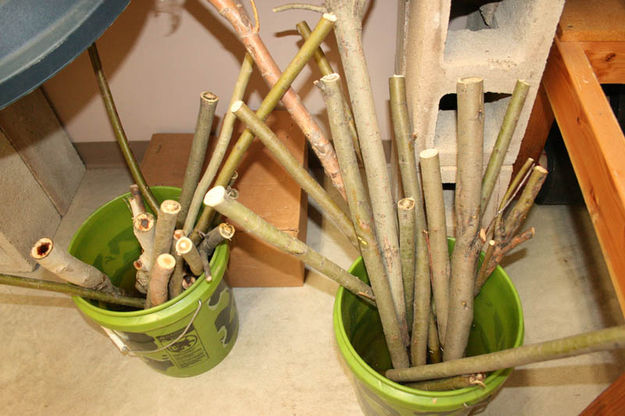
(125, 349)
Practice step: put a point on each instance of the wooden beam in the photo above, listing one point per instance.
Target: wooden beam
(538, 126)
(607, 60)
(596, 146)
(584, 20)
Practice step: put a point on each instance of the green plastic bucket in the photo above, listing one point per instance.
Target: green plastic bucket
(498, 324)
(183, 337)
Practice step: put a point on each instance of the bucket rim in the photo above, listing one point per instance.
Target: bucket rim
(398, 393)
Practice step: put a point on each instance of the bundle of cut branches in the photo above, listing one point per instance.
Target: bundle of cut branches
(423, 295)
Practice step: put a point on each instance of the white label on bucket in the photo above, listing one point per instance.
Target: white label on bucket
(187, 351)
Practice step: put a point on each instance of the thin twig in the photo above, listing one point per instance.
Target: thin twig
(71, 290)
(299, 6)
(118, 129)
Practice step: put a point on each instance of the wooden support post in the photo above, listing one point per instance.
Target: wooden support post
(596, 146)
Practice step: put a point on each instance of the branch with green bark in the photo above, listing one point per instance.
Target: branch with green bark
(72, 290)
(326, 69)
(118, 129)
(409, 171)
(508, 125)
(221, 145)
(233, 11)
(295, 169)
(601, 340)
(208, 103)
(218, 198)
(407, 249)
(271, 100)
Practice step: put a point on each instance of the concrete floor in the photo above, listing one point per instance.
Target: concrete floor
(285, 361)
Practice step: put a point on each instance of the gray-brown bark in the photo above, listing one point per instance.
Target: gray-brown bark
(159, 280)
(468, 185)
(437, 234)
(348, 31)
(362, 219)
(190, 254)
(164, 229)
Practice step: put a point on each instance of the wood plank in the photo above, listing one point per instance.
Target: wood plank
(263, 186)
(592, 20)
(35, 132)
(596, 146)
(610, 402)
(607, 60)
(538, 126)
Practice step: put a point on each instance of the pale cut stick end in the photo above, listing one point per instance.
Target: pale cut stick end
(215, 196)
(42, 248)
(166, 261)
(428, 153)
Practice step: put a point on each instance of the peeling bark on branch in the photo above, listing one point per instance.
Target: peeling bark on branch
(69, 268)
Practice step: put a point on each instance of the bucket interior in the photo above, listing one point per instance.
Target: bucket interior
(498, 322)
(106, 241)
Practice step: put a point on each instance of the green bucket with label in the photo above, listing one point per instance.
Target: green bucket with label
(497, 325)
(183, 337)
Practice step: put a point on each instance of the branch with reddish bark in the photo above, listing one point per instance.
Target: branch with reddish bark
(233, 11)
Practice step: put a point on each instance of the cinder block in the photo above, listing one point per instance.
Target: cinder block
(35, 132)
(26, 212)
(437, 54)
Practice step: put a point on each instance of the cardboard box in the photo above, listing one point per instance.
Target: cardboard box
(264, 187)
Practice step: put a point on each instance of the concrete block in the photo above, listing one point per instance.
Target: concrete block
(26, 213)
(35, 132)
(499, 42)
